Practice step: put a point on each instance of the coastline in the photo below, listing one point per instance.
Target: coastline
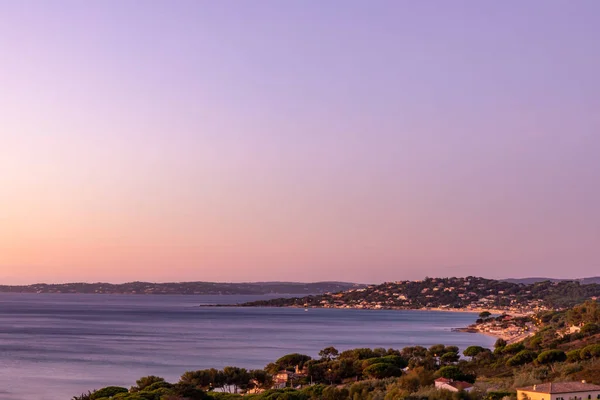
(509, 338)
(514, 313)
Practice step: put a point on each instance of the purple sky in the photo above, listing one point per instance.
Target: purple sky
(298, 140)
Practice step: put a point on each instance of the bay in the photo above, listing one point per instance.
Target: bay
(55, 346)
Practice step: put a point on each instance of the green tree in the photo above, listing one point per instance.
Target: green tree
(108, 391)
(513, 348)
(451, 349)
(260, 379)
(522, 357)
(290, 361)
(382, 370)
(473, 351)
(484, 314)
(358, 354)
(146, 381)
(436, 350)
(397, 360)
(236, 378)
(206, 379)
(449, 358)
(83, 396)
(551, 356)
(455, 373)
(188, 392)
(329, 353)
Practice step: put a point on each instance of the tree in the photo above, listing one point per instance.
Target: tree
(473, 351)
(436, 350)
(236, 377)
(500, 343)
(157, 385)
(260, 379)
(291, 361)
(484, 314)
(329, 353)
(413, 352)
(398, 361)
(522, 357)
(382, 370)
(451, 349)
(108, 391)
(206, 379)
(146, 381)
(455, 373)
(513, 348)
(448, 358)
(359, 354)
(188, 392)
(450, 372)
(83, 396)
(551, 356)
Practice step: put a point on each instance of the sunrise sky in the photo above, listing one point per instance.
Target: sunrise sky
(298, 140)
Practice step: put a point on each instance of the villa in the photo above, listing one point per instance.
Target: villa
(560, 391)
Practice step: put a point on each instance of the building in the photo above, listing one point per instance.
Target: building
(280, 379)
(452, 385)
(560, 391)
(285, 378)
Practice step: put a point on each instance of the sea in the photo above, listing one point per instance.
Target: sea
(56, 346)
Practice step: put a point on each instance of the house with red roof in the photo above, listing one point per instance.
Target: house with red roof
(452, 385)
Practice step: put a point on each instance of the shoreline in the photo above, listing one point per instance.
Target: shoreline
(510, 339)
(513, 313)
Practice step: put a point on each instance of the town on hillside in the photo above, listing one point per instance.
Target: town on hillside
(472, 294)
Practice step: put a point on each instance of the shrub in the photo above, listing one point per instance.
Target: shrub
(591, 351)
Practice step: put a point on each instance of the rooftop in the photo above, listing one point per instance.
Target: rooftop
(457, 384)
(561, 387)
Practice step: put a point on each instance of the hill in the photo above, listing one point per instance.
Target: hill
(251, 288)
(470, 293)
(529, 281)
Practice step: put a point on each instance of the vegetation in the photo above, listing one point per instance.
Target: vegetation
(555, 352)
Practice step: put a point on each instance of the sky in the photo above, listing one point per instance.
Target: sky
(345, 140)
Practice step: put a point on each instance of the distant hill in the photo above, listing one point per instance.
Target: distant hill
(529, 281)
(250, 288)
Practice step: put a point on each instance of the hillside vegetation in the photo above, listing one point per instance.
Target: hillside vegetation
(565, 347)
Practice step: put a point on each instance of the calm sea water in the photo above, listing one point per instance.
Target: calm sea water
(56, 346)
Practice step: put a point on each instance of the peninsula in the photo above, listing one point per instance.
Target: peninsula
(474, 294)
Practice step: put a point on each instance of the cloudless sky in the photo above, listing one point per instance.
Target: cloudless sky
(298, 140)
